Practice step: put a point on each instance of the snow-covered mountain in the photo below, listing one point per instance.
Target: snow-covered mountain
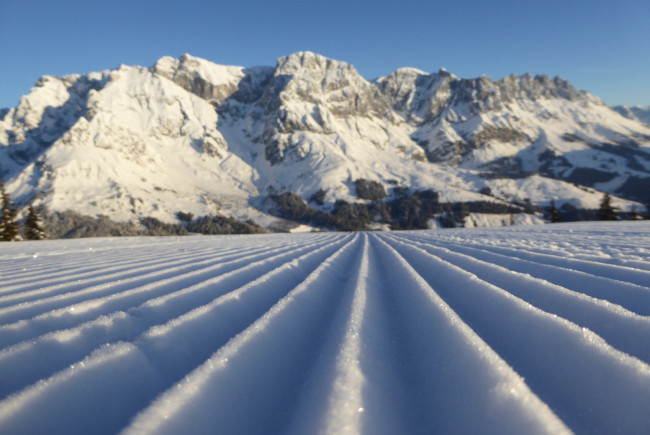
(522, 127)
(190, 135)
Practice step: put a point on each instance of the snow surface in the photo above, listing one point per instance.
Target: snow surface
(538, 329)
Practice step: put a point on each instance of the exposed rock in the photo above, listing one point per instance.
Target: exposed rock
(209, 81)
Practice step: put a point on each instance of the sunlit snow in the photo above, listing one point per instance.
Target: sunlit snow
(535, 329)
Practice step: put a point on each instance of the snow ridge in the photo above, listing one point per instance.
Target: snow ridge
(535, 330)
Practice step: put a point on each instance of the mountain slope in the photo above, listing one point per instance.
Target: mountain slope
(190, 135)
(637, 113)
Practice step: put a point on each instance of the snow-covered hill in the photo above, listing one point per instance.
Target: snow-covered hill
(193, 136)
(535, 330)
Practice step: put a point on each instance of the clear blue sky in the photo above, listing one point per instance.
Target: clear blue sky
(602, 46)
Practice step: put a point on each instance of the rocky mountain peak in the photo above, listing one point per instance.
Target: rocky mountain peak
(307, 60)
(311, 78)
(415, 94)
(308, 93)
(486, 94)
(205, 79)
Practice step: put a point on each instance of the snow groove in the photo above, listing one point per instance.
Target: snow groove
(71, 345)
(618, 273)
(176, 276)
(624, 329)
(633, 297)
(536, 330)
(112, 271)
(231, 381)
(557, 357)
(203, 281)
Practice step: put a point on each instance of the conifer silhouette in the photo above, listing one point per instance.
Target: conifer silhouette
(607, 212)
(34, 225)
(8, 224)
(554, 212)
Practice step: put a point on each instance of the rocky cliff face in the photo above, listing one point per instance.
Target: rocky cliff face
(188, 134)
(211, 82)
(309, 93)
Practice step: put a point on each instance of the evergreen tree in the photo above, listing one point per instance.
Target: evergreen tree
(554, 213)
(34, 225)
(8, 224)
(607, 212)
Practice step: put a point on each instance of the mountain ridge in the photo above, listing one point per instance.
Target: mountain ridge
(208, 138)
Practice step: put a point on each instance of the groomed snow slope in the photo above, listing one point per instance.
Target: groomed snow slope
(540, 329)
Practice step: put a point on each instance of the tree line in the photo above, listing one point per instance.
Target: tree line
(413, 210)
(606, 212)
(10, 230)
(406, 210)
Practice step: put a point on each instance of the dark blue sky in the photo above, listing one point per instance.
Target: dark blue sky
(602, 46)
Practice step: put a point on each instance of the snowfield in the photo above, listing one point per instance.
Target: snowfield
(537, 329)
